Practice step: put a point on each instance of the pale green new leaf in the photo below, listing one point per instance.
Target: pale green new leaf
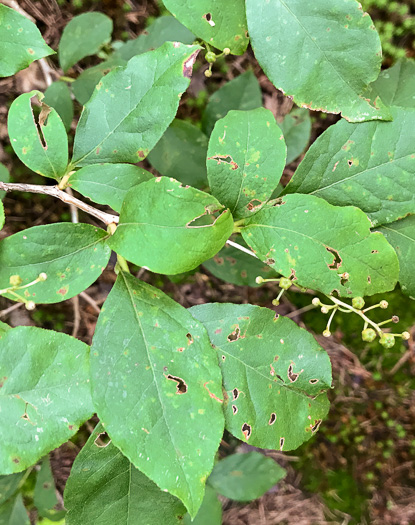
(84, 35)
(296, 128)
(20, 42)
(274, 374)
(181, 154)
(222, 25)
(58, 96)
(156, 386)
(246, 158)
(244, 477)
(243, 93)
(140, 101)
(73, 256)
(44, 395)
(170, 228)
(42, 145)
(401, 235)
(108, 183)
(13, 512)
(322, 53)
(4, 177)
(210, 513)
(322, 247)
(369, 165)
(104, 487)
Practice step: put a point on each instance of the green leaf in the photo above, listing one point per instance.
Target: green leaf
(369, 165)
(321, 53)
(396, 85)
(73, 256)
(140, 101)
(41, 145)
(9, 485)
(246, 158)
(3, 328)
(20, 42)
(163, 29)
(44, 497)
(2, 218)
(243, 93)
(181, 154)
(296, 128)
(244, 477)
(108, 183)
(58, 96)
(84, 35)
(105, 488)
(274, 374)
(210, 513)
(401, 235)
(220, 25)
(236, 267)
(322, 247)
(156, 387)
(13, 512)
(44, 395)
(84, 85)
(4, 177)
(170, 228)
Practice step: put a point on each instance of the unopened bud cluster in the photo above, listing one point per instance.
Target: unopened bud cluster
(16, 284)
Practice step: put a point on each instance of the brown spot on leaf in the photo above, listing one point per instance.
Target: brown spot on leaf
(16, 460)
(181, 387)
(313, 381)
(282, 441)
(254, 205)
(141, 154)
(246, 430)
(234, 409)
(272, 419)
(225, 159)
(62, 291)
(270, 261)
(234, 336)
(188, 64)
(316, 425)
(337, 261)
(235, 393)
(211, 394)
(189, 338)
(291, 375)
(3, 379)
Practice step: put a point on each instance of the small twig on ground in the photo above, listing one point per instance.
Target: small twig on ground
(11, 308)
(90, 301)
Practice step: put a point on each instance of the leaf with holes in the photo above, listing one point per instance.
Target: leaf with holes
(20, 42)
(140, 101)
(58, 96)
(41, 145)
(274, 374)
(105, 488)
(170, 228)
(322, 247)
(4, 177)
(401, 235)
(156, 386)
(13, 512)
(369, 165)
(243, 93)
(84, 35)
(44, 395)
(296, 128)
(220, 25)
(334, 46)
(108, 183)
(73, 256)
(181, 154)
(244, 477)
(246, 158)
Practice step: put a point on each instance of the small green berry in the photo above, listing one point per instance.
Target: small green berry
(358, 302)
(387, 340)
(208, 73)
(259, 279)
(326, 333)
(324, 310)
(406, 336)
(368, 335)
(30, 305)
(15, 280)
(210, 57)
(316, 301)
(42, 276)
(275, 302)
(226, 51)
(285, 283)
(384, 304)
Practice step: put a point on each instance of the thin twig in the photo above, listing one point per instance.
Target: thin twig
(11, 308)
(54, 191)
(237, 246)
(90, 301)
(301, 311)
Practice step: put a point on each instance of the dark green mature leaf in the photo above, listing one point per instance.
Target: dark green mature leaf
(46, 154)
(236, 267)
(13, 512)
(369, 165)
(321, 53)
(84, 35)
(9, 485)
(105, 488)
(20, 42)
(274, 374)
(244, 477)
(4, 177)
(108, 183)
(44, 395)
(163, 29)
(210, 513)
(296, 128)
(157, 387)
(222, 25)
(44, 497)
(401, 235)
(58, 96)
(181, 154)
(140, 101)
(322, 247)
(243, 93)
(246, 158)
(73, 256)
(170, 228)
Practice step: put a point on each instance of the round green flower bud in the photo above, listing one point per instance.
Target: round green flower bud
(285, 283)
(15, 280)
(259, 279)
(324, 310)
(210, 57)
(316, 301)
(387, 340)
(406, 336)
(358, 302)
(42, 276)
(208, 73)
(226, 51)
(326, 333)
(30, 305)
(275, 302)
(384, 304)
(368, 335)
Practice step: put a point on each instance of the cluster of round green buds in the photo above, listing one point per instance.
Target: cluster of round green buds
(285, 283)
(15, 280)
(358, 302)
(387, 340)
(368, 335)
(210, 57)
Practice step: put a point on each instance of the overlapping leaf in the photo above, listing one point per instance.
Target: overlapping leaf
(4, 177)
(157, 387)
(44, 496)
(321, 53)
(296, 128)
(210, 513)
(44, 394)
(13, 512)
(274, 374)
(58, 96)
(369, 165)
(9, 485)
(322, 247)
